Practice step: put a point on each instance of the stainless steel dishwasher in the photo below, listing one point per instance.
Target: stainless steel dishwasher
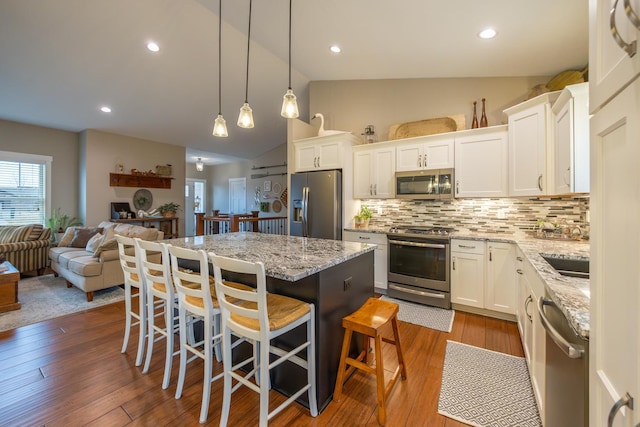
(566, 370)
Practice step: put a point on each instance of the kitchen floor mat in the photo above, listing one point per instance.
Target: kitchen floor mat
(436, 318)
(486, 388)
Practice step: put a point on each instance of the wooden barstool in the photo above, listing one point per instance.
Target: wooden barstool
(369, 321)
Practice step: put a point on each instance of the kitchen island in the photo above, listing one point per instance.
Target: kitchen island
(336, 276)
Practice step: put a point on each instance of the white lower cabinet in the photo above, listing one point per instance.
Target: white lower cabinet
(530, 288)
(467, 272)
(380, 254)
(500, 290)
(482, 275)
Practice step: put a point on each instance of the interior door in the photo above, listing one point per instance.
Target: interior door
(237, 195)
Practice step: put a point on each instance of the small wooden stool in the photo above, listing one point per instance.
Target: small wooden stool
(369, 320)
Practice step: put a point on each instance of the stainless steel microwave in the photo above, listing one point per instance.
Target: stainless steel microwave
(425, 185)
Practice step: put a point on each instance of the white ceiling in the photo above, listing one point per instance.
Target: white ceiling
(60, 60)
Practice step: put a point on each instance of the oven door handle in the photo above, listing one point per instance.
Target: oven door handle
(418, 244)
(411, 291)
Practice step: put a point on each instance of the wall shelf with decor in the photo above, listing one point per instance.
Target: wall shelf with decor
(148, 181)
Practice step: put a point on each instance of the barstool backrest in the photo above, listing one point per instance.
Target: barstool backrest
(193, 288)
(129, 261)
(251, 304)
(156, 275)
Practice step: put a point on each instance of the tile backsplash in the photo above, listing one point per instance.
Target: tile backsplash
(507, 215)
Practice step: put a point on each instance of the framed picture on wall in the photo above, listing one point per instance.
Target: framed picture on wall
(267, 186)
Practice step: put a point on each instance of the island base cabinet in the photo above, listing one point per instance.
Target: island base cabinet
(336, 292)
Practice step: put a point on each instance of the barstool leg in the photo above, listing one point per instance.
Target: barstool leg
(346, 343)
(382, 408)
(396, 337)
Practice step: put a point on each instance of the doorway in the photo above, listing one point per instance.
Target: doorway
(194, 199)
(237, 195)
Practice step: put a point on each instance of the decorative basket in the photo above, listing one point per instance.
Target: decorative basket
(163, 170)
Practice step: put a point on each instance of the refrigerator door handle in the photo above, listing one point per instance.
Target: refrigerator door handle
(305, 202)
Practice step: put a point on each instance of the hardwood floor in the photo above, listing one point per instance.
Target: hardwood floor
(69, 371)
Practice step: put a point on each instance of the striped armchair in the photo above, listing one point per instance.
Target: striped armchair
(26, 246)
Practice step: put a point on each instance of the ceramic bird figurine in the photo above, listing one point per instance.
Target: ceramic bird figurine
(322, 131)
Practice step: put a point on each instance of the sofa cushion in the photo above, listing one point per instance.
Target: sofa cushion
(16, 233)
(54, 253)
(65, 257)
(86, 265)
(82, 235)
(107, 243)
(130, 230)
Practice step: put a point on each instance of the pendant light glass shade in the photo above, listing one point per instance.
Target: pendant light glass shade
(199, 165)
(289, 103)
(220, 127)
(245, 118)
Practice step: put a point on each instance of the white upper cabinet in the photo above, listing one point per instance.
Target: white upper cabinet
(374, 172)
(611, 67)
(481, 163)
(322, 152)
(529, 135)
(571, 140)
(427, 152)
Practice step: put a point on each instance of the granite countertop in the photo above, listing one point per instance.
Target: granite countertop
(571, 294)
(285, 257)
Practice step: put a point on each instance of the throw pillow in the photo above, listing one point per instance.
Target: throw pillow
(67, 237)
(107, 243)
(82, 235)
(94, 243)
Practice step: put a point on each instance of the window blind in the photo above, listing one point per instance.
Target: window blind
(23, 189)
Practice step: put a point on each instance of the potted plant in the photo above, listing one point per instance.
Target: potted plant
(59, 222)
(168, 210)
(361, 219)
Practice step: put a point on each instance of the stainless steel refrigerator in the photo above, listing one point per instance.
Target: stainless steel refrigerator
(316, 204)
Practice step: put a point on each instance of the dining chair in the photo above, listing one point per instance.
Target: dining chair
(259, 316)
(133, 280)
(162, 302)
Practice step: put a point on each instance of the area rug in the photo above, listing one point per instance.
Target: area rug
(486, 388)
(46, 297)
(424, 315)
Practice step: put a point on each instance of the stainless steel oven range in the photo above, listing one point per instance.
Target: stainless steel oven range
(419, 264)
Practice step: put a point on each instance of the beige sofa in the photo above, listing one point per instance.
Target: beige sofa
(87, 257)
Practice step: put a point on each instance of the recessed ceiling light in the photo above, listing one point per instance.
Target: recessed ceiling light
(153, 46)
(105, 109)
(335, 49)
(488, 33)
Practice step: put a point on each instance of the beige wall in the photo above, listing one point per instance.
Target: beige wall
(350, 105)
(61, 145)
(101, 152)
(220, 174)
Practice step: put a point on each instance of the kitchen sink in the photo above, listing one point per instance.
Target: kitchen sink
(571, 267)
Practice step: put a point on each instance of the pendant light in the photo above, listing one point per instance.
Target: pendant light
(289, 103)
(220, 125)
(245, 118)
(199, 165)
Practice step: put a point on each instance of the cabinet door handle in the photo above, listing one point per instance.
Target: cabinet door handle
(457, 186)
(519, 258)
(419, 160)
(519, 271)
(371, 189)
(566, 176)
(375, 189)
(466, 246)
(315, 162)
(364, 238)
(424, 160)
(490, 253)
(540, 182)
(631, 14)
(625, 400)
(526, 307)
(630, 48)
(453, 263)
(318, 161)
